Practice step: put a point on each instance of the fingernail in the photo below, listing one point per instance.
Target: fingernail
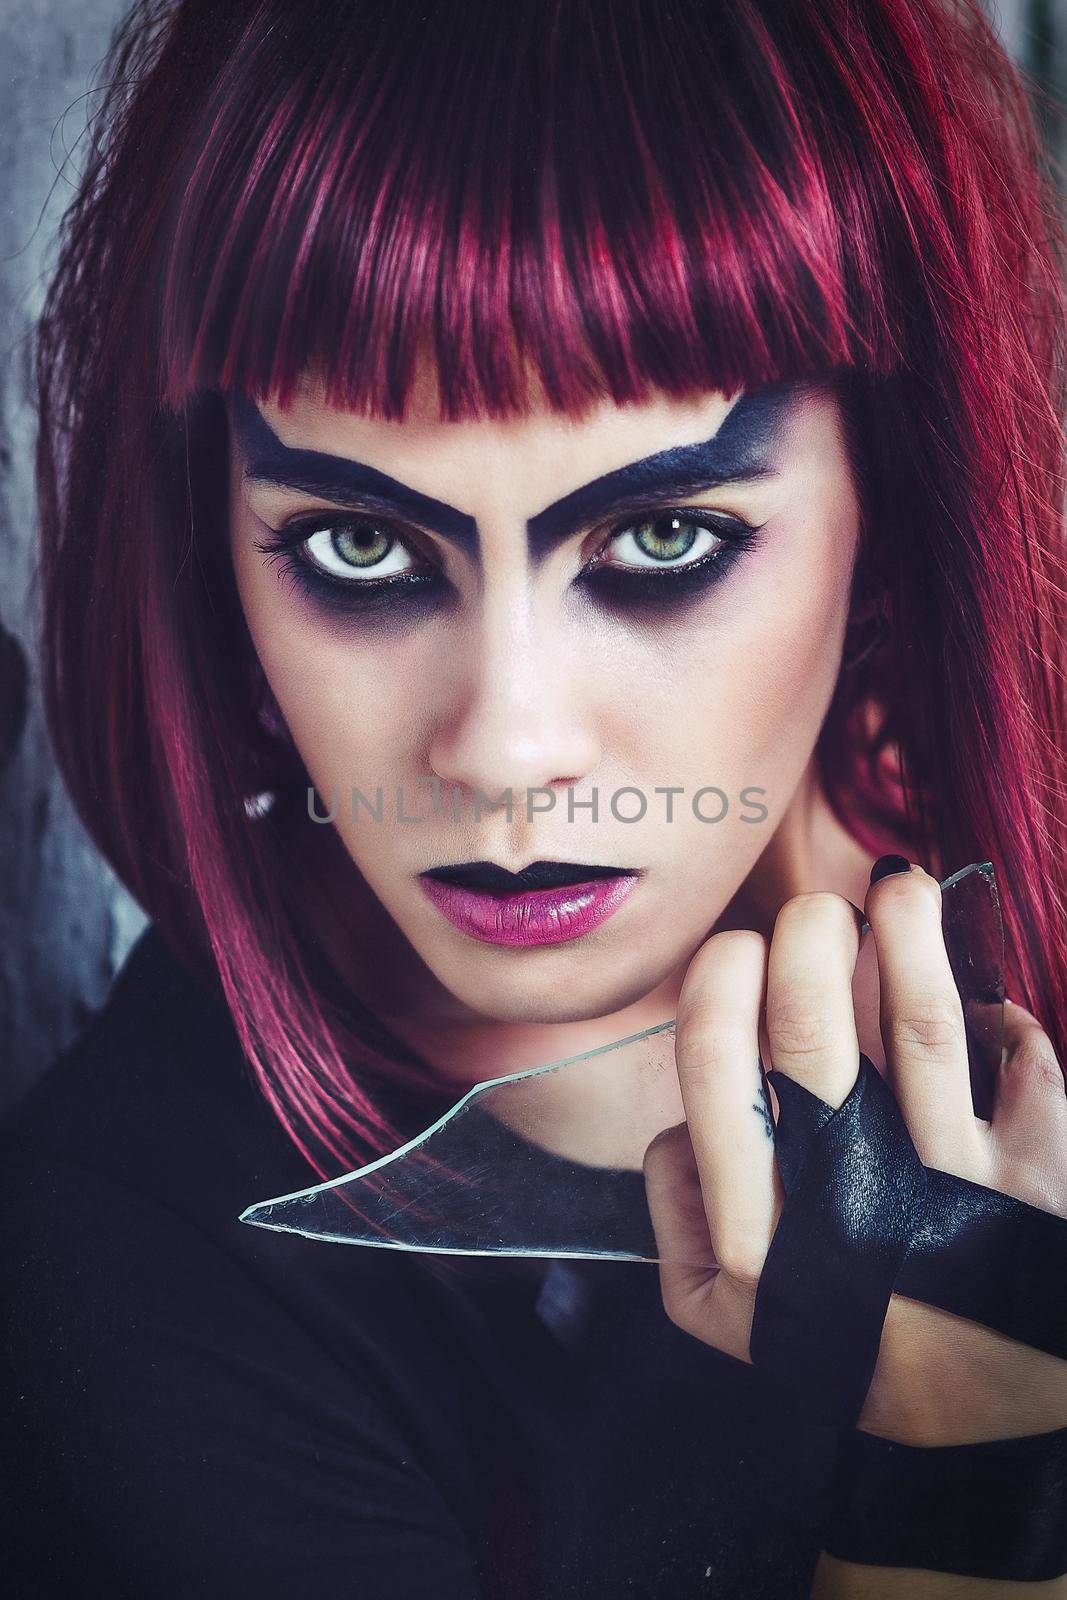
(886, 865)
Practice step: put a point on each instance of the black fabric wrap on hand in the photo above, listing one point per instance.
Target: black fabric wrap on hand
(993, 1510)
(854, 1189)
(863, 1219)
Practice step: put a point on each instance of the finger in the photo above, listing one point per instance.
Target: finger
(921, 1020)
(687, 1264)
(722, 1092)
(811, 1023)
(1028, 1135)
(865, 999)
(698, 1297)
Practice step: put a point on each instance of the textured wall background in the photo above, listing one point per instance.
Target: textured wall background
(65, 923)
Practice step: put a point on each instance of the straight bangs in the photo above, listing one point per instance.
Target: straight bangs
(574, 193)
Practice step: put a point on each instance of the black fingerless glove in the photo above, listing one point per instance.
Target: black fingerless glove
(996, 1510)
(862, 1219)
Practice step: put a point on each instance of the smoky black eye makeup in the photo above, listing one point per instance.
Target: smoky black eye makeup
(363, 562)
(667, 558)
(349, 562)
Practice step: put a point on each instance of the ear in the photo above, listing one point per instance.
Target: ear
(268, 713)
(870, 620)
(275, 762)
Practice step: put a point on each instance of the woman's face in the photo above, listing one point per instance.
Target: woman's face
(642, 608)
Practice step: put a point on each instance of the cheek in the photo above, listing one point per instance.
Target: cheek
(349, 710)
(737, 695)
(347, 704)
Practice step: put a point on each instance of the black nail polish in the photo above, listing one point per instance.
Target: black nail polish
(885, 865)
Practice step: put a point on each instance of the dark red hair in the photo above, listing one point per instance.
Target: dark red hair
(619, 198)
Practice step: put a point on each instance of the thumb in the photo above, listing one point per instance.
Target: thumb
(687, 1267)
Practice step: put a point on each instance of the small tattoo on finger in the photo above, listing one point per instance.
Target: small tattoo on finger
(762, 1106)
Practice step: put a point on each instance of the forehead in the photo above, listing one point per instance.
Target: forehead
(660, 444)
(603, 437)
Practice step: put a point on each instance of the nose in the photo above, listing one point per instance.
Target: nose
(516, 712)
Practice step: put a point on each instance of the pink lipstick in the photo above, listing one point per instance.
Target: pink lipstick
(530, 916)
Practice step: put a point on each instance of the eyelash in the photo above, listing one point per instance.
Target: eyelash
(631, 585)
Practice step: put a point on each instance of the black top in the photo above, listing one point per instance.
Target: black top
(205, 1408)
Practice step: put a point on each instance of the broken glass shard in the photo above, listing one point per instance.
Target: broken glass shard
(499, 1174)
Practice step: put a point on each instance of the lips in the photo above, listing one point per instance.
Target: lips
(485, 877)
(548, 902)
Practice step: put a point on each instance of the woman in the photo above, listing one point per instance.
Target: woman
(549, 400)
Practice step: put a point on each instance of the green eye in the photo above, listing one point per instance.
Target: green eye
(664, 540)
(362, 545)
(664, 557)
(348, 549)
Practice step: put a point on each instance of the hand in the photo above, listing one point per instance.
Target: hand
(713, 1189)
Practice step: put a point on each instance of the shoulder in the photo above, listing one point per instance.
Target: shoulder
(123, 1178)
(197, 1405)
(125, 1170)
(155, 1093)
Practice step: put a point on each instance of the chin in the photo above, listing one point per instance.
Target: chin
(525, 993)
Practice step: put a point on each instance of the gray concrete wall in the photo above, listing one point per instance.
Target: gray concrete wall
(65, 924)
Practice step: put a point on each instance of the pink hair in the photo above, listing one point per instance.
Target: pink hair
(621, 199)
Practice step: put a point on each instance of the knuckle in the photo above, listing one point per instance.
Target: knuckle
(737, 938)
(1035, 1059)
(1038, 1182)
(1017, 1020)
(666, 1152)
(705, 1041)
(932, 1024)
(739, 1260)
(709, 970)
(802, 1027)
(657, 1154)
(899, 888)
(814, 903)
(727, 942)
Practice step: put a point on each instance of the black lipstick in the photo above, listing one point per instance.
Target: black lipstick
(485, 877)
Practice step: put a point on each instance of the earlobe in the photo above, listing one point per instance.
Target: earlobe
(276, 762)
(265, 712)
(269, 716)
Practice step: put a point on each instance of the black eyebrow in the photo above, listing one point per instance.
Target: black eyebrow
(339, 478)
(740, 451)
